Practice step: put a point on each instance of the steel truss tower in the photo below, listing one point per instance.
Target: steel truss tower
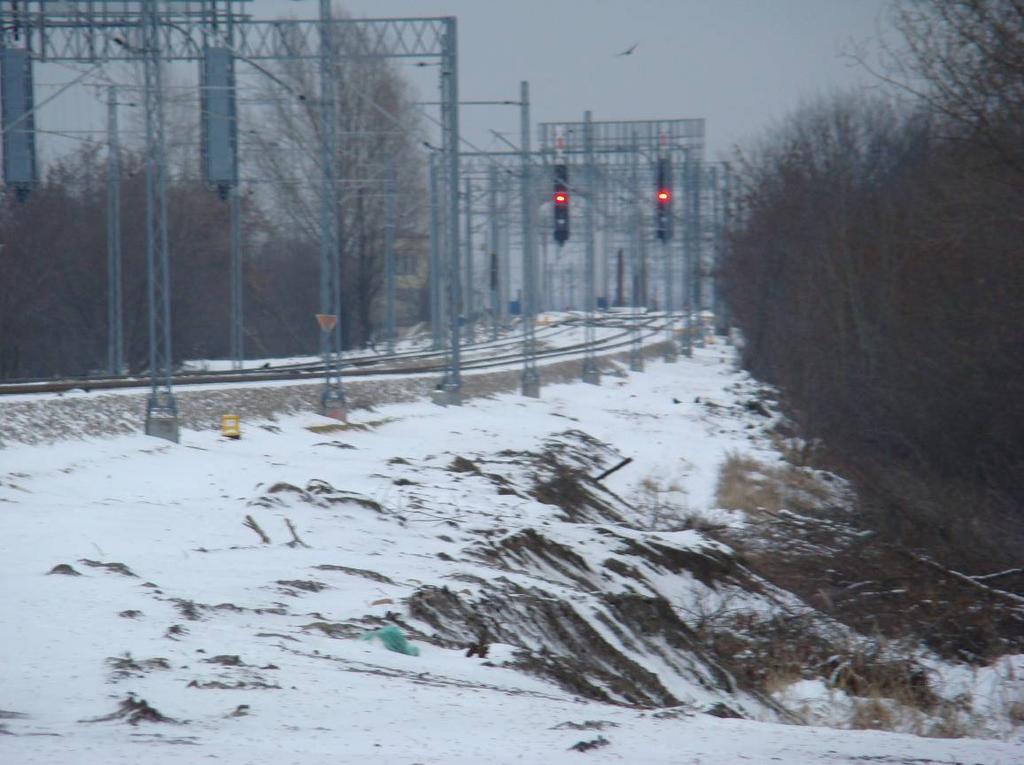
(624, 156)
(156, 31)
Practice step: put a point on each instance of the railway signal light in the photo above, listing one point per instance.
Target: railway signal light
(663, 201)
(560, 198)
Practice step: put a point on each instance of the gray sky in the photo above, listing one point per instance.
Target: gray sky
(738, 63)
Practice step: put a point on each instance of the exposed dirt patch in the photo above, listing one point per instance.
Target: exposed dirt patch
(226, 660)
(355, 572)
(134, 711)
(572, 491)
(187, 608)
(175, 631)
(710, 566)
(317, 492)
(117, 568)
(306, 585)
(125, 666)
(222, 685)
(586, 746)
(564, 471)
(334, 629)
(560, 644)
(282, 486)
(64, 569)
(463, 465)
(529, 550)
(585, 725)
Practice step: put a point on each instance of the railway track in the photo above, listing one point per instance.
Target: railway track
(486, 355)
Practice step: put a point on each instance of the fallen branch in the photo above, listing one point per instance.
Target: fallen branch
(250, 523)
(998, 575)
(611, 470)
(296, 542)
(964, 578)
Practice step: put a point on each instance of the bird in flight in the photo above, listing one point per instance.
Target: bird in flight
(629, 50)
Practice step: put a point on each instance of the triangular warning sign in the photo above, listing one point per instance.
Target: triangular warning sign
(327, 321)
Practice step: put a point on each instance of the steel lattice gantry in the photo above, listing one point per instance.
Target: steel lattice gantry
(617, 161)
(156, 31)
(487, 178)
(95, 30)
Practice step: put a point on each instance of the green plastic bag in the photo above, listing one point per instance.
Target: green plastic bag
(393, 640)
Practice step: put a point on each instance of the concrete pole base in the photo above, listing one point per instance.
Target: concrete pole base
(332, 404)
(636, 363)
(162, 425)
(531, 386)
(339, 413)
(446, 395)
(591, 375)
(162, 416)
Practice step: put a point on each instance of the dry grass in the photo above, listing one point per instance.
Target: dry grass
(1015, 712)
(337, 427)
(752, 486)
(951, 722)
(777, 678)
(351, 427)
(872, 714)
(662, 504)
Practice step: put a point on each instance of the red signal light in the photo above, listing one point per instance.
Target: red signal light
(560, 198)
(664, 195)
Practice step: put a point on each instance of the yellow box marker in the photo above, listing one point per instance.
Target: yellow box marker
(229, 427)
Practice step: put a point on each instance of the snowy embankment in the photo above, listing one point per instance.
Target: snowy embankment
(39, 418)
(229, 584)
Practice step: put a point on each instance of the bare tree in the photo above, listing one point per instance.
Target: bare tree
(965, 60)
(378, 129)
(876, 274)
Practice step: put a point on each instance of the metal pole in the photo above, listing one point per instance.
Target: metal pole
(531, 377)
(434, 266)
(606, 270)
(548, 300)
(161, 408)
(698, 251)
(494, 275)
(451, 384)
(636, 356)
(469, 309)
(671, 351)
(688, 247)
(237, 337)
(235, 223)
(390, 226)
(591, 374)
(504, 259)
(115, 323)
(332, 399)
(620, 278)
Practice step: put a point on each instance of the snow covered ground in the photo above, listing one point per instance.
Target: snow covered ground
(248, 652)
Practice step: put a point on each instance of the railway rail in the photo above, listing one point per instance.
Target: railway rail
(486, 355)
